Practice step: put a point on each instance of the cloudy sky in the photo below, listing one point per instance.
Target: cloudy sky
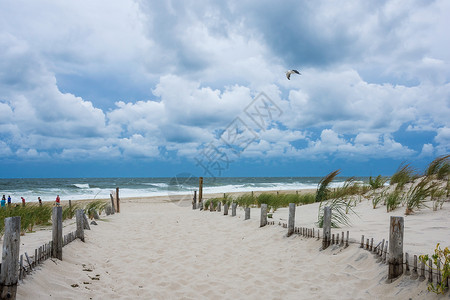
(156, 88)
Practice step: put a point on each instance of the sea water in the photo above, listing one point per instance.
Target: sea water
(100, 188)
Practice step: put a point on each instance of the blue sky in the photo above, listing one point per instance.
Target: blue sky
(157, 88)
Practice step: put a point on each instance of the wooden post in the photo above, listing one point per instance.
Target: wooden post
(80, 226)
(332, 239)
(194, 201)
(422, 271)
(57, 232)
(346, 240)
(407, 271)
(385, 251)
(233, 209)
(430, 270)
(9, 275)
(415, 274)
(86, 222)
(108, 210)
(342, 240)
(200, 189)
(371, 244)
(225, 209)
(117, 200)
(70, 205)
(291, 221)
(263, 221)
(247, 213)
(113, 210)
(395, 247)
(367, 244)
(219, 206)
(211, 206)
(326, 227)
(438, 271)
(362, 242)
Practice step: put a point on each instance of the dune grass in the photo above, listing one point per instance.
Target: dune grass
(404, 174)
(323, 191)
(378, 182)
(418, 193)
(439, 167)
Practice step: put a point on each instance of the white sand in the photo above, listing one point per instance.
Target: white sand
(159, 250)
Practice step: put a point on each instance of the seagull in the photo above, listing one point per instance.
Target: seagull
(288, 73)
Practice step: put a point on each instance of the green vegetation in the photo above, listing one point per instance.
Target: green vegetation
(322, 188)
(418, 193)
(393, 200)
(246, 200)
(97, 205)
(339, 217)
(443, 257)
(378, 182)
(404, 174)
(439, 167)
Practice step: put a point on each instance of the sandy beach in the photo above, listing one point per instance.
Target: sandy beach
(159, 248)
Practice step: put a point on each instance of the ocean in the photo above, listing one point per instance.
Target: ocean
(99, 188)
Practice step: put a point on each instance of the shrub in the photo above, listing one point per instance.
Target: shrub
(443, 256)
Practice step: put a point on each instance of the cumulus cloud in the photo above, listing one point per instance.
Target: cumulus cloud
(158, 77)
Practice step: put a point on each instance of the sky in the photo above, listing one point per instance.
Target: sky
(158, 88)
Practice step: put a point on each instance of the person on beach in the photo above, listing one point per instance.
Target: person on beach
(40, 201)
(57, 201)
(3, 201)
(9, 200)
(23, 201)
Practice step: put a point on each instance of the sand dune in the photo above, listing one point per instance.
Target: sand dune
(160, 250)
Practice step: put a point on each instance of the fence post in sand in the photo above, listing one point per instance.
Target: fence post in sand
(113, 210)
(117, 200)
(430, 271)
(346, 239)
(263, 221)
(407, 271)
(9, 275)
(80, 226)
(108, 210)
(395, 247)
(415, 274)
(225, 209)
(86, 222)
(200, 189)
(247, 213)
(362, 242)
(70, 204)
(291, 221)
(57, 236)
(326, 227)
(219, 206)
(233, 209)
(194, 201)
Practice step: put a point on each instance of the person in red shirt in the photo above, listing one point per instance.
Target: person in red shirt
(58, 201)
(23, 201)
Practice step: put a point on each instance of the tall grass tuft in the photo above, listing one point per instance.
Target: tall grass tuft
(338, 213)
(97, 205)
(378, 182)
(246, 200)
(393, 200)
(322, 187)
(417, 194)
(439, 167)
(404, 174)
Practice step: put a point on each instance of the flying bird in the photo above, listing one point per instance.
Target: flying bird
(288, 73)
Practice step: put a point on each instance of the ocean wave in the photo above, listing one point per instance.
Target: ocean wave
(81, 185)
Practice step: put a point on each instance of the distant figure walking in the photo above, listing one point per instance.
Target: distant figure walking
(9, 200)
(57, 201)
(40, 201)
(3, 202)
(23, 201)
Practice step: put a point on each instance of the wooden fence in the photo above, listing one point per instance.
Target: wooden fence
(390, 253)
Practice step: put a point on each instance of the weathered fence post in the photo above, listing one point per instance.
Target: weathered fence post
(326, 227)
(86, 222)
(113, 210)
(194, 201)
(291, 220)
(225, 209)
(117, 200)
(219, 206)
(233, 209)
(247, 213)
(57, 232)
(80, 226)
(9, 275)
(70, 205)
(263, 221)
(200, 189)
(395, 247)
